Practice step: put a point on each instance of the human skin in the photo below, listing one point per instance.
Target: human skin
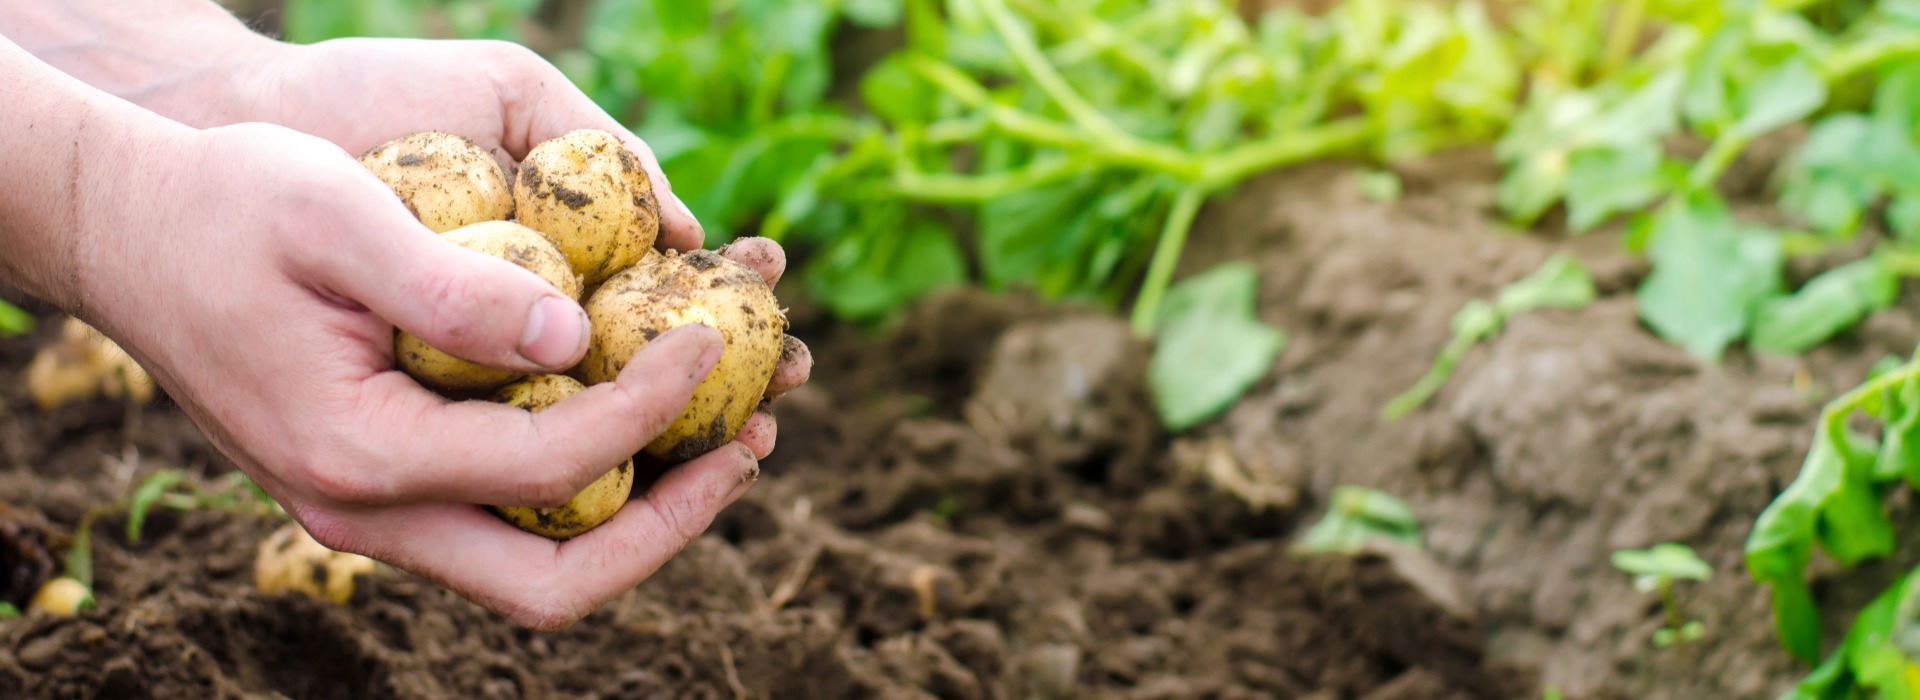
(258, 272)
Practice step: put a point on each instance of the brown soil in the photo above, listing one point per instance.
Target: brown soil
(979, 505)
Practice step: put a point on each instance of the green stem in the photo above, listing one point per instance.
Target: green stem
(1027, 54)
(1623, 35)
(1868, 53)
(1241, 161)
(1166, 255)
(1717, 159)
(980, 188)
(1094, 36)
(1671, 606)
(1904, 263)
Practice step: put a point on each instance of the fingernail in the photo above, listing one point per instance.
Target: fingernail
(556, 330)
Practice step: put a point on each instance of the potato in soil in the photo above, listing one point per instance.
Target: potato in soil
(446, 180)
(588, 192)
(505, 240)
(83, 364)
(291, 560)
(594, 504)
(668, 290)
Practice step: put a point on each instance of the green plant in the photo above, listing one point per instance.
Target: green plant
(1561, 282)
(1875, 660)
(1211, 346)
(1656, 568)
(1729, 72)
(166, 488)
(1357, 516)
(14, 321)
(1835, 502)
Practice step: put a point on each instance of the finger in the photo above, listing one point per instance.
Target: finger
(793, 369)
(532, 580)
(478, 452)
(541, 104)
(759, 434)
(762, 254)
(468, 304)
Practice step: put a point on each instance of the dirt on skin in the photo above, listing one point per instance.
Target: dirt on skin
(979, 504)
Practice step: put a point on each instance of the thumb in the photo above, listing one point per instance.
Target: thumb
(471, 305)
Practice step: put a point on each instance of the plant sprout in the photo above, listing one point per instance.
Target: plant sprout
(1655, 569)
(1358, 516)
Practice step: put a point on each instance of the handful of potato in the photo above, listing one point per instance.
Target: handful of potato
(580, 212)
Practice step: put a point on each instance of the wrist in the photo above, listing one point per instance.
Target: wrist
(187, 60)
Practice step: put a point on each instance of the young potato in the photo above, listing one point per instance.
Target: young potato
(594, 504)
(84, 364)
(505, 240)
(668, 290)
(591, 195)
(446, 180)
(291, 560)
(61, 597)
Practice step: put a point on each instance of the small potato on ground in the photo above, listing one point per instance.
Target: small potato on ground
(291, 560)
(505, 240)
(587, 191)
(446, 180)
(668, 290)
(84, 364)
(594, 504)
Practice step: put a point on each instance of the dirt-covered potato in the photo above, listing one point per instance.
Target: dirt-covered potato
(84, 364)
(61, 597)
(667, 290)
(446, 180)
(291, 560)
(505, 240)
(594, 504)
(588, 192)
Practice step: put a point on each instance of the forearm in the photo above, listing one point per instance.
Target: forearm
(189, 60)
(54, 132)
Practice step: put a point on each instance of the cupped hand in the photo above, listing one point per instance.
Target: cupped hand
(259, 273)
(359, 93)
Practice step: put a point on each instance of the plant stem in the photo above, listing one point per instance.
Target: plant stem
(1236, 164)
(1166, 255)
(980, 188)
(1623, 35)
(1027, 54)
(1671, 606)
(1868, 53)
(1717, 159)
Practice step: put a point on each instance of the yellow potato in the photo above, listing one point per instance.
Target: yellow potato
(446, 180)
(84, 364)
(594, 504)
(505, 240)
(588, 192)
(61, 597)
(668, 290)
(291, 560)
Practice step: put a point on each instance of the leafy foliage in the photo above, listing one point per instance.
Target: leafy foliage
(1561, 282)
(1211, 346)
(14, 321)
(1358, 516)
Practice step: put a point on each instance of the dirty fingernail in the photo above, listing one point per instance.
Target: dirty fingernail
(556, 331)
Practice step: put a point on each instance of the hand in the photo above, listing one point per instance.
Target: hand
(359, 93)
(255, 271)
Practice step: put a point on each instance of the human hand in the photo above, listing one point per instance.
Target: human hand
(359, 93)
(259, 273)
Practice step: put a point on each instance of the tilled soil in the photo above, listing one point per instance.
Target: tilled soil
(978, 504)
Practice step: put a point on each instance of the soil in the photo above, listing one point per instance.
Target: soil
(979, 504)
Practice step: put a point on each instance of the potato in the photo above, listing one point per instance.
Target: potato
(291, 560)
(444, 179)
(667, 290)
(61, 597)
(588, 192)
(594, 504)
(505, 240)
(84, 364)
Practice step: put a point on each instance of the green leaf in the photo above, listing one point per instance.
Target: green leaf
(1781, 542)
(1561, 282)
(1783, 96)
(1829, 303)
(14, 321)
(1357, 516)
(1604, 181)
(1211, 349)
(1708, 277)
(872, 13)
(145, 496)
(7, 611)
(1669, 560)
(1379, 185)
(896, 93)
